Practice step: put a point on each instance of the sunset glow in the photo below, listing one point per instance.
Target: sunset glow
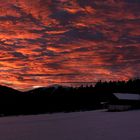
(44, 42)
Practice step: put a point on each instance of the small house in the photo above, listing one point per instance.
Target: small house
(124, 101)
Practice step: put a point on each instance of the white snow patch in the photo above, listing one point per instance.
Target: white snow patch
(127, 96)
(92, 125)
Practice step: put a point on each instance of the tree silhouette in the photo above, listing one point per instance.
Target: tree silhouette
(62, 99)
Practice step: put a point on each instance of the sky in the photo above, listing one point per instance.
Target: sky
(44, 42)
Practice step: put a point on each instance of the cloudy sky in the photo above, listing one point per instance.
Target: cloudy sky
(43, 42)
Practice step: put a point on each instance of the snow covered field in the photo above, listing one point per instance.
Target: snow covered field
(92, 125)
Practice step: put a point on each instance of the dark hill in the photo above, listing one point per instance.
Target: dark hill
(58, 98)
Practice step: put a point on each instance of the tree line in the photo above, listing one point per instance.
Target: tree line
(62, 99)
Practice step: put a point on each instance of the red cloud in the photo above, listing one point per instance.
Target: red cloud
(44, 42)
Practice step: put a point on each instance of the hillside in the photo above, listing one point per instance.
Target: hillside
(58, 98)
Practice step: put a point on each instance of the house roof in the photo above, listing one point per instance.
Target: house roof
(127, 96)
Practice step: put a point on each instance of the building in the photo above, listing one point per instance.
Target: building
(124, 101)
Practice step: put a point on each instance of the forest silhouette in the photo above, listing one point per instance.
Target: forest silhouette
(62, 99)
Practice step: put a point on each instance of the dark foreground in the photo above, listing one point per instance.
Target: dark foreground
(58, 98)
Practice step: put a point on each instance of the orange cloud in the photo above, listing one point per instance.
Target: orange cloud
(46, 42)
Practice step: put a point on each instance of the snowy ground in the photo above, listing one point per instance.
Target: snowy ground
(93, 125)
